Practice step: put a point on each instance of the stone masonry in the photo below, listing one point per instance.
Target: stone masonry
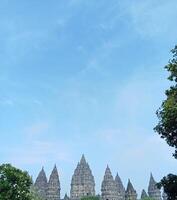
(83, 185)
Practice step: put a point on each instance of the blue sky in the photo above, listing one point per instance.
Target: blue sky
(85, 76)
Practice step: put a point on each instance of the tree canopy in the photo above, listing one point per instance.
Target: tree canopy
(167, 125)
(14, 183)
(169, 184)
(167, 113)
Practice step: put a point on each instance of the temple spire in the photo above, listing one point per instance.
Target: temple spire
(108, 188)
(120, 187)
(82, 183)
(41, 183)
(130, 192)
(83, 161)
(144, 194)
(153, 191)
(53, 192)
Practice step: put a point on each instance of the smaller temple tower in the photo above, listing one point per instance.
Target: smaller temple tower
(53, 190)
(130, 193)
(144, 194)
(108, 187)
(153, 191)
(120, 188)
(41, 184)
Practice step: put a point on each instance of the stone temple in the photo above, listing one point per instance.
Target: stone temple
(83, 185)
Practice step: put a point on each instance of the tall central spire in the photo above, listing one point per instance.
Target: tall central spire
(82, 183)
(83, 161)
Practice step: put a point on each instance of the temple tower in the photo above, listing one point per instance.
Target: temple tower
(153, 191)
(144, 194)
(41, 184)
(130, 193)
(108, 187)
(120, 188)
(82, 183)
(53, 192)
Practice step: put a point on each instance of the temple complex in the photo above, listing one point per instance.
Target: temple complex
(83, 185)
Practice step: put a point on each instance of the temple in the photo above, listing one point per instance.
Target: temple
(83, 185)
(153, 191)
(108, 188)
(130, 193)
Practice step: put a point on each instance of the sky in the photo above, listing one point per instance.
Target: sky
(85, 76)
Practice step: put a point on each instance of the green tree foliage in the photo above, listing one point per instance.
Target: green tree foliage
(169, 183)
(167, 126)
(147, 198)
(167, 114)
(14, 183)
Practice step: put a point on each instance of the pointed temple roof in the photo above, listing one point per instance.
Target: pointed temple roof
(108, 172)
(54, 185)
(151, 181)
(144, 194)
(153, 191)
(42, 175)
(54, 177)
(120, 187)
(119, 183)
(130, 187)
(41, 183)
(83, 161)
(108, 186)
(82, 182)
(130, 191)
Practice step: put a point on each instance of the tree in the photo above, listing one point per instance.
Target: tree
(167, 125)
(167, 113)
(14, 183)
(169, 183)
